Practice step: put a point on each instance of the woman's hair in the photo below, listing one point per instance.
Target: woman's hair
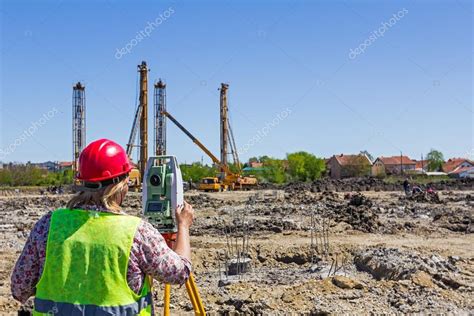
(105, 197)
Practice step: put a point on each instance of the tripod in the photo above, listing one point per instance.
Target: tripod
(191, 286)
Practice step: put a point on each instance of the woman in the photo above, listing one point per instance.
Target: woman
(92, 259)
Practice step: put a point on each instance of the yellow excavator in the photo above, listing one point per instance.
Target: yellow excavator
(226, 180)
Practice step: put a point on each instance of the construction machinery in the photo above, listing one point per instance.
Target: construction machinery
(78, 124)
(212, 184)
(234, 179)
(226, 179)
(140, 123)
(159, 119)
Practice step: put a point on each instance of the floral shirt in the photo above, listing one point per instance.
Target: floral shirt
(150, 255)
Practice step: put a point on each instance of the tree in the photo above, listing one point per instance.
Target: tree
(25, 175)
(6, 177)
(358, 166)
(435, 160)
(253, 159)
(274, 171)
(263, 159)
(196, 171)
(303, 166)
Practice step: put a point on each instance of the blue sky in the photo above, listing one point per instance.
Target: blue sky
(409, 87)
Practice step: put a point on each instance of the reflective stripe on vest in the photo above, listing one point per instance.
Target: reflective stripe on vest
(85, 270)
(67, 309)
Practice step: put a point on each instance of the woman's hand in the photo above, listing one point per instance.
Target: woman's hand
(184, 215)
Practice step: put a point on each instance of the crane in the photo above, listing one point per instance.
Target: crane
(227, 177)
(140, 123)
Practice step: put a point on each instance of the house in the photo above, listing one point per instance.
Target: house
(345, 166)
(65, 165)
(464, 172)
(393, 165)
(255, 164)
(421, 166)
(455, 163)
(459, 168)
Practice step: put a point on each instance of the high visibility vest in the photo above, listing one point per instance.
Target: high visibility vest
(85, 270)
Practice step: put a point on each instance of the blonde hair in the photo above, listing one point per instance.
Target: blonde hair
(105, 197)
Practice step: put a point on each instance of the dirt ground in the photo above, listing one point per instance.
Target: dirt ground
(310, 252)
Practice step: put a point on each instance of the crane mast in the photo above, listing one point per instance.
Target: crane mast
(78, 123)
(143, 70)
(224, 124)
(160, 119)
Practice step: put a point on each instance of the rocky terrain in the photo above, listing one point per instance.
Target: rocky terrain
(355, 248)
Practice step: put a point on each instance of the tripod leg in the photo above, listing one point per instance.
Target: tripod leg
(166, 299)
(194, 296)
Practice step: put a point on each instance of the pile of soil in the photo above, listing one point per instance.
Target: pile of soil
(373, 184)
(423, 197)
(395, 264)
(456, 221)
(360, 200)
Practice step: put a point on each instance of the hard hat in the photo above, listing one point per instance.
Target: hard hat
(102, 160)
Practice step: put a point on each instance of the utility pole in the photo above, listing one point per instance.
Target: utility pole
(422, 164)
(401, 163)
(160, 120)
(143, 70)
(78, 124)
(224, 124)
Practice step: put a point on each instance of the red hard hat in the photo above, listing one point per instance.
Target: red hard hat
(101, 160)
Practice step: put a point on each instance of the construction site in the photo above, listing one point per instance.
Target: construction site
(275, 157)
(348, 246)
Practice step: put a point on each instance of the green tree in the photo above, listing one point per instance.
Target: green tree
(274, 171)
(6, 177)
(253, 159)
(358, 166)
(303, 166)
(263, 159)
(196, 171)
(435, 160)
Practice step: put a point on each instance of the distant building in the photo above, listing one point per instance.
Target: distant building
(346, 166)
(456, 163)
(421, 166)
(48, 165)
(255, 164)
(459, 168)
(65, 165)
(393, 165)
(464, 172)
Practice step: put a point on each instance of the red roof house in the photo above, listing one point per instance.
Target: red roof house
(455, 164)
(393, 165)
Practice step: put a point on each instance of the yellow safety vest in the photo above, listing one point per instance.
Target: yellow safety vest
(85, 270)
